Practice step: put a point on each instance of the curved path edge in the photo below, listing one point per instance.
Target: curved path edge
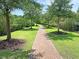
(43, 48)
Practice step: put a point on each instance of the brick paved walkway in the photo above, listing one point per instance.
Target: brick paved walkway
(44, 48)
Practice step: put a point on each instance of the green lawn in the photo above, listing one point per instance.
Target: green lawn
(67, 45)
(27, 35)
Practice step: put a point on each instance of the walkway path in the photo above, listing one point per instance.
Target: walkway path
(44, 48)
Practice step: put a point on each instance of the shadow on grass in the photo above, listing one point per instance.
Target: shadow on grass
(29, 29)
(65, 36)
(49, 27)
(18, 54)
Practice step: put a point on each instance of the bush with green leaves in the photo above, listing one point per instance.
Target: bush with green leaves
(16, 22)
(2, 26)
(68, 24)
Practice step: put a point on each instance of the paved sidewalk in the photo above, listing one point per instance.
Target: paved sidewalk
(44, 48)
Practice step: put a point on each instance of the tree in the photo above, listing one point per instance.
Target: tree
(32, 11)
(7, 6)
(48, 17)
(60, 8)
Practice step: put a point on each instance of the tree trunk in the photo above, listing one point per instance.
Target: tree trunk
(48, 23)
(31, 23)
(58, 24)
(8, 31)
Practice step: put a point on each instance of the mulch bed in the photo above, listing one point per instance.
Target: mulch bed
(59, 33)
(11, 44)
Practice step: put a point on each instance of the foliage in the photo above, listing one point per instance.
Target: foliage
(2, 26)
(61, 9)
(32, 12)
(7, 6)
(18, 22)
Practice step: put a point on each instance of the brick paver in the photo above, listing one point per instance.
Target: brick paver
(44, 48)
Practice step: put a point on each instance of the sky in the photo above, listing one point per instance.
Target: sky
(17, 12)
(45, 3)
(76, 5)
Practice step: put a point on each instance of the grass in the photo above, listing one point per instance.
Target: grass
(27, 35)
(67, 45)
